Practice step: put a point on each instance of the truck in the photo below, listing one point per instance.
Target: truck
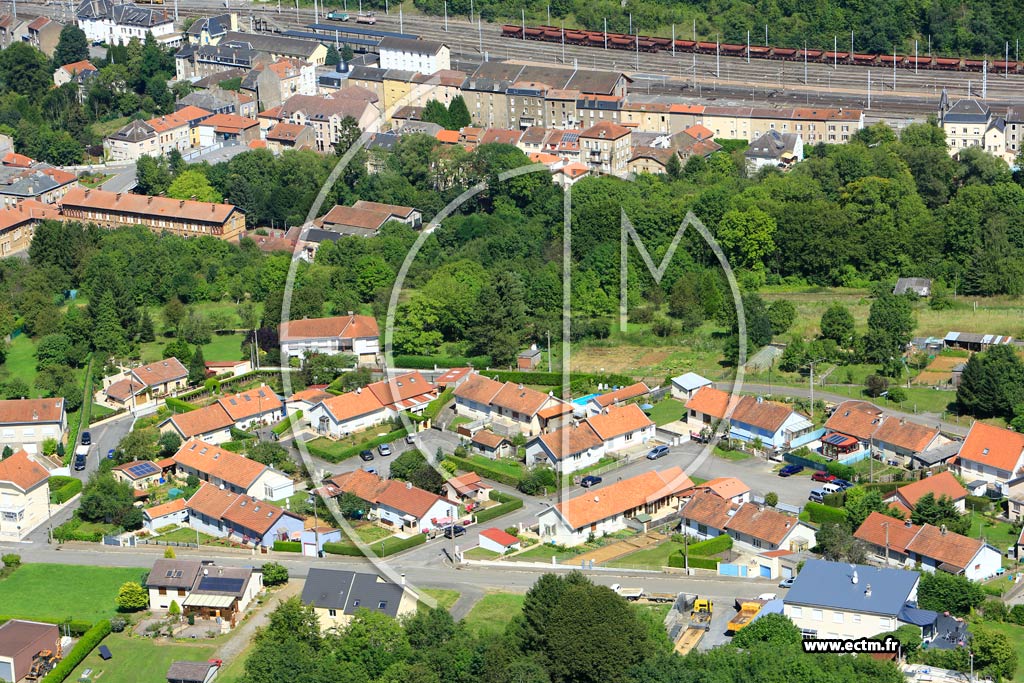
(628, 593)
(700, 623)
(43, 662)
(366, 19)
(748, 610)
(337, 15)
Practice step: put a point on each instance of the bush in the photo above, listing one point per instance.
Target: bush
(435, 407)
(399, 546)
(771, 499)
(712, 546)
(11, 560)
(677, 559)
(554, 379)
(117, 624)
(823, 514)
(508, 504)
(63, 489)
(834, 500)
(176, 405)
(274, 574)
(287, 547)
(838, 469)
(132, 597)
(978, 504)
(285, 424)
(169, 553)
(883, 487)
(1016, 615)
(484, 470)
(86, 644)
(995, 610)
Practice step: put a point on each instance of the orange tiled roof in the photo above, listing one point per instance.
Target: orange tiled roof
(623, 394)
(485, 437)
(706, 508)
(726, 487)
(709, 401)
(571, 440)
(249, 403)
(874, 527)
(176, 505)
(945, 547)
(762, 523)
(22, 471)
(203, 421)
(623, 496)
(939, 485)
(992, 446)
(520, 399)
(478, 389)
(143, 205)
(619, 420)
(29, 410)
(219, 463)
(352, 404)
(343, 327)
(160, 372)
(858, 419)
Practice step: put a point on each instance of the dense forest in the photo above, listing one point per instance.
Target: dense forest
(955, 28)
(569, 631)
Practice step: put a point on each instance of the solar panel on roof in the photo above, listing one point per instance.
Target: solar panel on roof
(221, 584)
(143, 469)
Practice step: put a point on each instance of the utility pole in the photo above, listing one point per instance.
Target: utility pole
(718, 57)
(630, 22)
(812, 364)
(869, 89)
(638, 58)
(524, 25)
(606, 33)
(673, 40)
(915, 57)
(748, 47)
(401, 22)
(984, 79)
(894, 68)
(835, 52)
(549, 350)
(886, 525)
(446, 19)
(563, 41)
(805, 62)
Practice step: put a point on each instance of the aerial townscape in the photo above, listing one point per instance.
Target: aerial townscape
(652, 341)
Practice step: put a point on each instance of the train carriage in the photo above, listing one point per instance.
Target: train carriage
(786, 53)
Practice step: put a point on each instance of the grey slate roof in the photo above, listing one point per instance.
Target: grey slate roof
(173, 574)
(25, 182)
(913, 284)
(348, 591)
(136, 131)
(830, 585)
(690, 381)
(934, 456)
(123, 14)
(425, 47)
(771, 145)
(967, 111)
(210, 100)
(215, 26)
(188, 672)
(499, 75)
(279, 45)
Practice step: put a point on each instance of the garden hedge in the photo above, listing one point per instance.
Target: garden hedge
(483, 470)
(508, 504)
(883, 487)
(712, 546)
(430, 362)
(390, 548)
(178, 406)
(285, 424)
(77, 628)
(342, 549)
(823, 514)
(63, 489)
(978, 503)
(86, 644)
(677, 560)
(288, 546)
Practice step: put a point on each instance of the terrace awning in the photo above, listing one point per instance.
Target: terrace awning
(207, 600)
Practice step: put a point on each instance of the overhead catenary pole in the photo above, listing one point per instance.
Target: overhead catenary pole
(637, 38)
(673, 40)
(984, 78)
(1006, 61)
(563, 41)
(894, 68)
(805, 62)
(480, 33)
(446, 19)
(869, 89)
(835, 52)
(748, 47)
(606, 33)
(401, 22)
(718, 57)
(630, 22)
(766, 35)
(915, 58)
(524, 24)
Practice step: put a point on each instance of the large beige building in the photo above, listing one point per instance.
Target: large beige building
(606, 148)
(326, 113)
(181, 217)
(26, 423)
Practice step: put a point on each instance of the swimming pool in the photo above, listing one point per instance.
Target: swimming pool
(582, 400)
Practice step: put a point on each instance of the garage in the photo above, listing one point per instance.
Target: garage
(20, 641)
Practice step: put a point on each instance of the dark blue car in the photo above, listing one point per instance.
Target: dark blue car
(589, 481)
(790, 470)
(842, 483)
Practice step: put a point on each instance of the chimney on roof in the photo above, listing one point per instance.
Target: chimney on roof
(853, 578)
(35, 415)
(87, 191)
(118, 197)
(908, 523)
(408, 485)
(943, 529)
(149, 200)
(867, 591)
(520, 385)
(181, 203)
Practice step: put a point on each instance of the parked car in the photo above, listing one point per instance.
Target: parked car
(110, 454)
(823, 477)
(366, 455)
(787, 583)
(790, 470)
(410, 439)
(816, 496)
(79, 462)
(589, 480)
(86, 439)
(371, 470)
(831, 488)
(384, 450)
(454, 531)
(842, 484)
(657, 452)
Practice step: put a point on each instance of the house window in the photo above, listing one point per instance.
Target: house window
(855, 618)
(162, 591)
(702, 528)
(837, 617)
(796, 612)
(332, 612)
(809, 633)
(885, 623)
(383, 604)
(816, 614)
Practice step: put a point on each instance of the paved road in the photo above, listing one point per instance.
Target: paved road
(104, 437)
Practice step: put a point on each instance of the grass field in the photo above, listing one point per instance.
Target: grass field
(493, 612)
(998, 534)
(58, 591)
(544, 553)
(185, 535)
(21, 362)
(649, 558)
(445, 598)
(481, 554)
(221, 347)
(139, 659)
(512, 468)
(667, 410)
(104, 128)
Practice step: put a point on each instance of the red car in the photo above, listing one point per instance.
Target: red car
(823, 477)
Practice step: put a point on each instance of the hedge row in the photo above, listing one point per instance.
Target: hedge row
(68, 531)
(63, 489)
(288, 546)
(712, 546)
(82, 648)
(883, 487)
(434, 408)
(823, 514)
(677, 560)
(390, 547)
(978, 503)
(285, 424)
(430, 362)
(508, 504)
(554, 379)
(484, 470)
(178, 406)
(343, 453)
(77, 628)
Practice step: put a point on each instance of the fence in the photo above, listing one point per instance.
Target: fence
(807, 438)
(856, 457)
(739, 570)
(156, 541)
(806, 462)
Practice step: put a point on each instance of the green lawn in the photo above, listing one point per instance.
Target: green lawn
(102, 129)
(481, 554)
(445, 598)
(370, 533)
(667, 410)
(21, 362)
(512, 468)
(649, 558)
(139, 659)
(221, 347)
(734, 456)
(544, 553)
(98, 412)
(998, 534)
(493, 612)
(58, 591)
(453, 426)
(568, 479)
(185, 535)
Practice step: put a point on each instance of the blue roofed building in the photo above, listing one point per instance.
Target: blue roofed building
(847, 601)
